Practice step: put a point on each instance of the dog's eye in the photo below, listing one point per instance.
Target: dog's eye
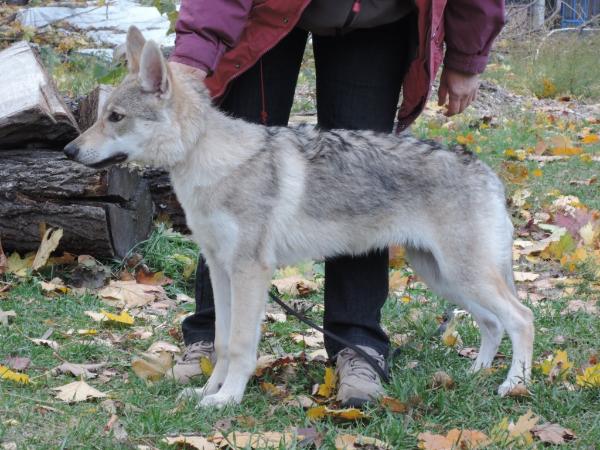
(115, 117)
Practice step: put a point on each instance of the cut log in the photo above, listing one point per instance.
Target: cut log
(166, 205)
(92, 104)
(104, 212)
(32, 112)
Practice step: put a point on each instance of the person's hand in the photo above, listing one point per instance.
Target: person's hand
(198, 73)
(457, 90)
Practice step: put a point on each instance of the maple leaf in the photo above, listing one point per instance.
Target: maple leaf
(49, 243)
(129, 294)
(455, 438)
(312, 338)
(78, 391)
(552, 433)
(394, 405)
(78, 370)
(152, 367)
(590, 377)
(7, 374)
(295, 286)
(348, 414)
(557, 366)
(17, 266)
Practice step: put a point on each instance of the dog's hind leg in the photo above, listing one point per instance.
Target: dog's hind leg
(249, 287)
(492, 302)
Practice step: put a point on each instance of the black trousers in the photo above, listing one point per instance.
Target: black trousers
(359, 76)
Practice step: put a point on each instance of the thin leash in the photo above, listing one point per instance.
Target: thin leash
(372, 362)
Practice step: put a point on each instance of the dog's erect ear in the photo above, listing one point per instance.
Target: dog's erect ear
(154, 74)
(133, 48)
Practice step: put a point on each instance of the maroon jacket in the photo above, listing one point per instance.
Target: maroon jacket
(227, 37)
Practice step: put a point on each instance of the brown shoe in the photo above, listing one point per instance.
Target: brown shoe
(358, 383)
(188, 365)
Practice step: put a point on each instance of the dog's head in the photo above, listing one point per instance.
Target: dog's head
(140, 120)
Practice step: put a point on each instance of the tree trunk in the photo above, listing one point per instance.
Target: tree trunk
(32, 112)
(538, 11)
(91, 106)
(102, 212)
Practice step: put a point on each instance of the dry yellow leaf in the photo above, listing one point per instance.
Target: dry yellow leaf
(558, 365)
(54, 285)
(590, 377)
(7, 374)
(151, 366)
(468, 439)
(319, 412)
(590, 139)
(78, 391)
(18, 266)
(295, 286)
(328, 387)
(270, 439)
(130, 294)
(49, 243)
(124, 317)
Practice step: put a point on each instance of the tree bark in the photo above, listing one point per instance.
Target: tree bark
(32, 112)
(102, 212)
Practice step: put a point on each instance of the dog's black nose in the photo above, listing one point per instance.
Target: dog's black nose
(71, 150)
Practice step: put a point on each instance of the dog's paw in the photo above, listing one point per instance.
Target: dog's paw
(190, 394)
(219, 401)
(513, 388)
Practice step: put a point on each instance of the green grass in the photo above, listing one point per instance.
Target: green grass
(564, 64)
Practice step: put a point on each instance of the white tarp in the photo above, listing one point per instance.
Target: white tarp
(106, 25)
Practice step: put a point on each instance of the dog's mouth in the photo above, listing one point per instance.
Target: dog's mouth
(115, 159)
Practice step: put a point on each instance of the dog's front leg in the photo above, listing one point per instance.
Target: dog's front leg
(249, 285)
(221, 285)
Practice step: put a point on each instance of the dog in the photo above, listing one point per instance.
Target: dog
(258, 197)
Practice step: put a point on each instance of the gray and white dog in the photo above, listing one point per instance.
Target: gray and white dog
(256, 198)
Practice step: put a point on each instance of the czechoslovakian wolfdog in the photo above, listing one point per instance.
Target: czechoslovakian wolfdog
(257, 197)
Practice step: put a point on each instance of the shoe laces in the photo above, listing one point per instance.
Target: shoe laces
(197, 350)
(353, 363)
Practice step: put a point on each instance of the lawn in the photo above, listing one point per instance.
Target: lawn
(562, 288)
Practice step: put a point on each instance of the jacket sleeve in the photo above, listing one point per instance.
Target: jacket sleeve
(206, 28)
(470, 29)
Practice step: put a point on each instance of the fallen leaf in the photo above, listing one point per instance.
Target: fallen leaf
(206, 366)
(450, 337)
(144, 275)
(469, 352)
(78, 370)
(319, 412)
(130, 294)
(590, 139)
(295, 286)
(54, 285)
(454, 439)
(17, 362)
(301, 401)
(328, 387)
(273, 390)
(117, 429)
(192, 441)
(526, 276)
(441, 379)
(48, 343)
(78, 391)
(516, 433)
(269, 439)
(162, 346)
(152, 367)
(590, 377)
(49, 243)
(394, 405)
(556, 366)
(276, 317)
(271, 362)
(311, 338)
(352, 442)
(7, 374)
(123, 317)
(552, 433)
(18, 266)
